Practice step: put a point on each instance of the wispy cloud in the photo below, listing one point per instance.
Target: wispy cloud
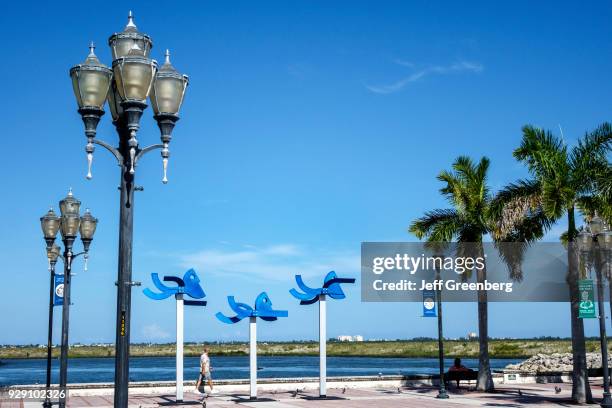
(457, 67)
(405, 63)
(275, 262)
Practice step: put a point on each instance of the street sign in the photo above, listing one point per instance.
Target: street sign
(58, 291)
(586, 305)
(429, 303)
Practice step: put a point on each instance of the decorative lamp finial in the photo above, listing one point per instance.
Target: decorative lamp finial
(92, 47)
(167, 61)
(70, 192)
(130, 23)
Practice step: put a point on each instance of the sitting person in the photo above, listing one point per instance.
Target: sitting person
(457, 370)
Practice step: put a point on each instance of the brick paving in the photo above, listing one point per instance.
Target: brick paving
(537, 395)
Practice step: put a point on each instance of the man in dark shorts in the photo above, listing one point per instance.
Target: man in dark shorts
(205, 371)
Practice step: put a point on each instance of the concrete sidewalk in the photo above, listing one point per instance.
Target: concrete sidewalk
(539, 395)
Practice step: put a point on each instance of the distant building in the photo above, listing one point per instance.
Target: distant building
(472, 336)
(350, 338)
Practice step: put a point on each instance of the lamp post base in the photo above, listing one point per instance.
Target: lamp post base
(442, 394)
(606, 402)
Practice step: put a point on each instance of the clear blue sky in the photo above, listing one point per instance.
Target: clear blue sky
(307, 128)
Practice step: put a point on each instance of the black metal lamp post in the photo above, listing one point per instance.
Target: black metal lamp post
(134, 78)
(442, 394)
(70, 224)
(52, 254)
(596, 244)
(50, 224)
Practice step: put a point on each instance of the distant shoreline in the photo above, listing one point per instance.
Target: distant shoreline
(512, 348)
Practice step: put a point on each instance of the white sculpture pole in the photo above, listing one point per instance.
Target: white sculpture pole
(179, 347)
(253, 355)
(322, 347)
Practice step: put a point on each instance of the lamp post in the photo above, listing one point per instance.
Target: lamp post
(52, 254)
(593, 244)
(70, 224)
(442, 394)
(134, 77)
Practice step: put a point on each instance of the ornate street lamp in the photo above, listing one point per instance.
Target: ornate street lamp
(91, 82)
(130, 38)
(167, 97)
(70, 224)
(50, 224)
(87, 228)
(133, 79)
(596, 245)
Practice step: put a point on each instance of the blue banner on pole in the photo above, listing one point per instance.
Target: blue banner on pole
(58, 292)
(429, 303)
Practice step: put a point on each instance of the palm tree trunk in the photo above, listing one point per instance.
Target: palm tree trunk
(484, 381)
(581, 390)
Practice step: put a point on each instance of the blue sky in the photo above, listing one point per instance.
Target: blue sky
(308, 127)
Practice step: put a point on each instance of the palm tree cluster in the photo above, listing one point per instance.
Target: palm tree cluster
(562, 180)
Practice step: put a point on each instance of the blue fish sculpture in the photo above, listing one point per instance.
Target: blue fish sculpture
(189, 285)
(331, 287)
(263, 309)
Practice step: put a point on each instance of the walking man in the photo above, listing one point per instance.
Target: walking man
(204, 371)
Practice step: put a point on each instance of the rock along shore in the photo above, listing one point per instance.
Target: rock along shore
(556, 362)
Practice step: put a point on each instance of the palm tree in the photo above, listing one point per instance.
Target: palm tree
(562, 178)
(472, 217)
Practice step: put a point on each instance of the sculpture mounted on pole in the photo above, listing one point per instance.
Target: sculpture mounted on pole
(308, 296)
(188, 285)
(263, 309)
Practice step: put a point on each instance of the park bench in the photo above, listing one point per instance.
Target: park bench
(458, 376)
(597, 372)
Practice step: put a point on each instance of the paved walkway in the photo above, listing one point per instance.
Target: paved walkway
(538, 395)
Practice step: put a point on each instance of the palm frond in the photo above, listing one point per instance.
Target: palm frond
(436, 225)
(588, 161)
(512, 204)
(588, 205)
(591, 150)
(470, 233)
(541, 151)
(512, 254)
(513, 245)
(480, 178)
(602, 177)
(557, 197)
(464, 167)
(454, 189)
(564, 238)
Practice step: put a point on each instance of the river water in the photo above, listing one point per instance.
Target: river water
(87, 370)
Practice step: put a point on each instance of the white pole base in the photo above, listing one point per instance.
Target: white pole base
(322, 347)
(179, 346)
(253, 356)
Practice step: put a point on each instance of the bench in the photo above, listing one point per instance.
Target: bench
(597, 372)
(458, 376)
